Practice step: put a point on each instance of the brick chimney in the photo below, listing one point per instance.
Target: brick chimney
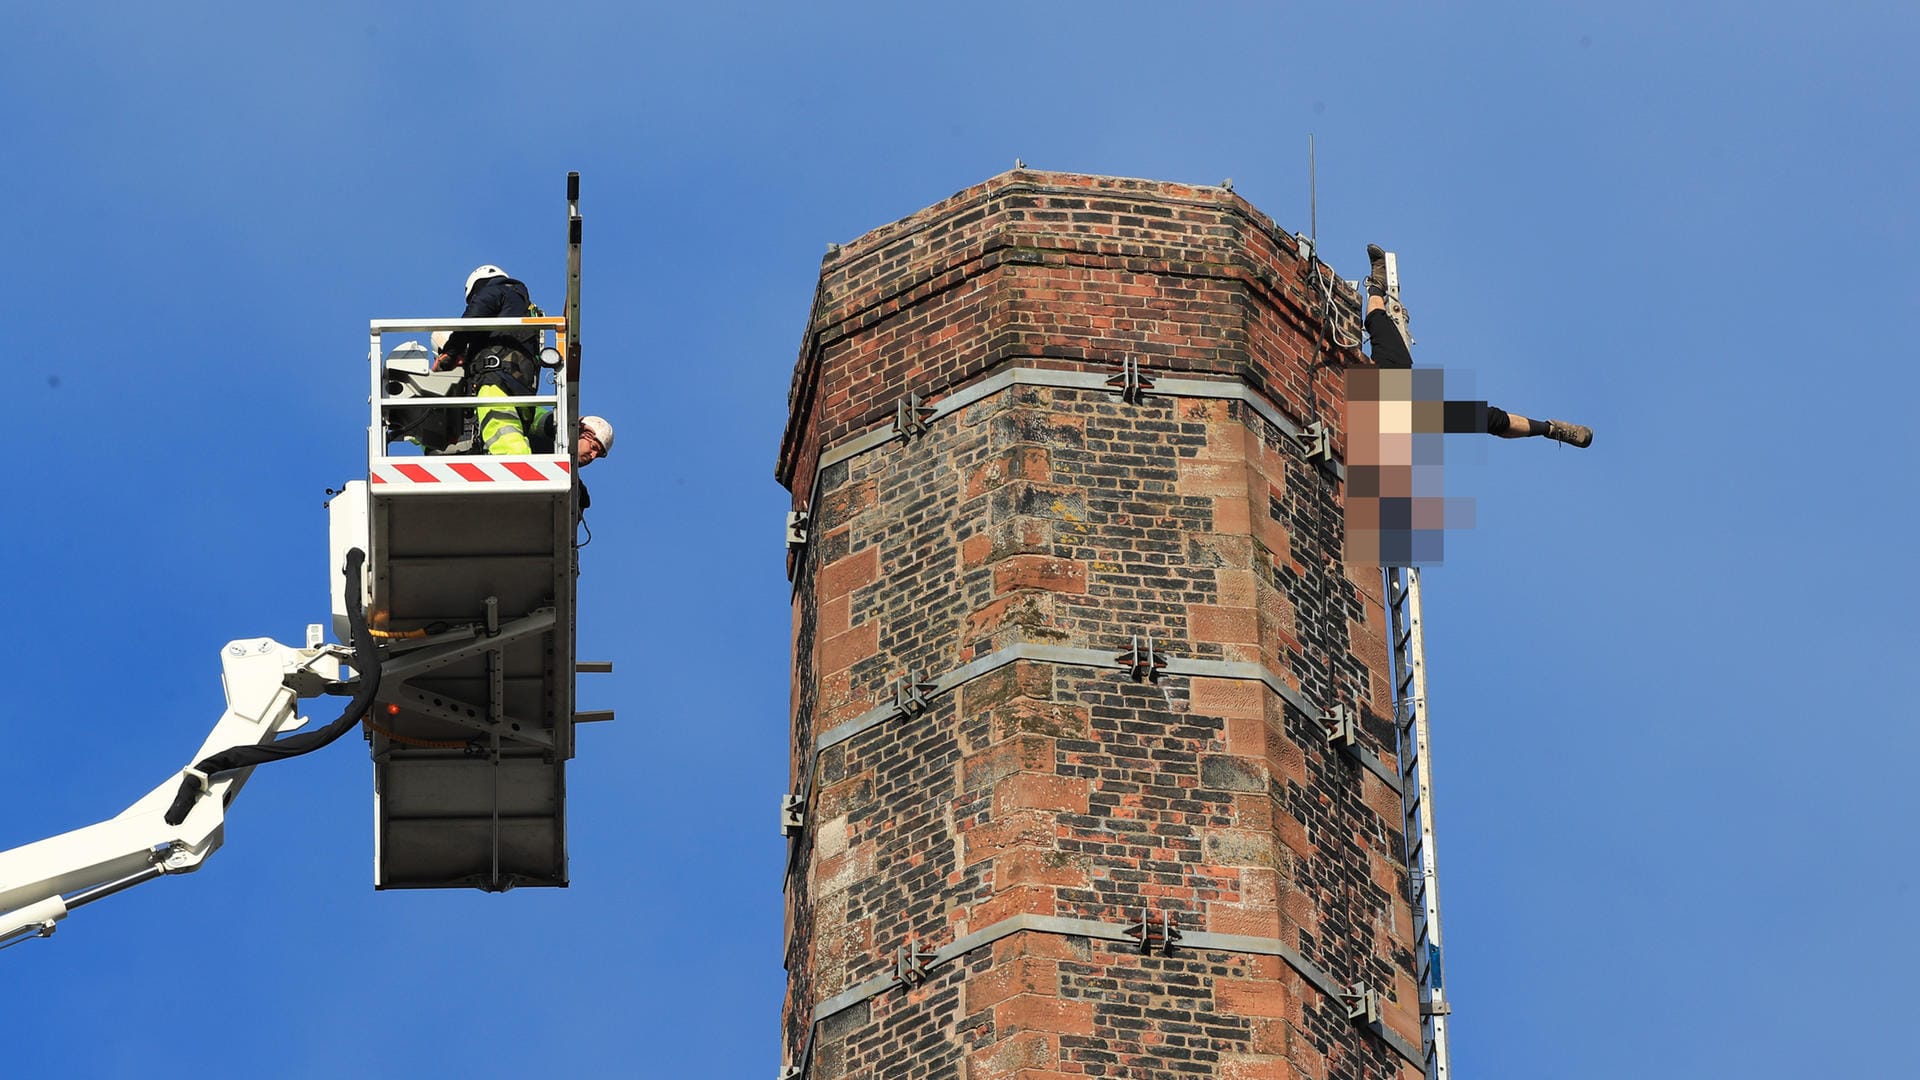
(1070, 620)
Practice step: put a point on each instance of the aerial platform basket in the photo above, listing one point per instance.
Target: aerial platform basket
(472, 587)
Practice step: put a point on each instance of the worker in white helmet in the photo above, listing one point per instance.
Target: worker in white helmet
(498, 363)
(596, 441)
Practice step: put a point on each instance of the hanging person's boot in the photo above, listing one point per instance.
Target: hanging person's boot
(1376, 271)
(1578, 435)
(1377, 286)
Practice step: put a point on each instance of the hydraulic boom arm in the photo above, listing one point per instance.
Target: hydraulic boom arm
(177, 825)
(42, 881)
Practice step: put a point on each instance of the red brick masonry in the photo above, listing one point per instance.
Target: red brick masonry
(1046, 515)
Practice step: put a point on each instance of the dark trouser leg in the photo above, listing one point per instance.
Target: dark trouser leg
(1389, 346)
(1514, 426)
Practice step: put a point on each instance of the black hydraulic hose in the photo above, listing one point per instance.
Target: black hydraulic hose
(366, 662)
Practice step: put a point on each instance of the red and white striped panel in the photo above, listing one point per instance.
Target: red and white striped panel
(470, 474)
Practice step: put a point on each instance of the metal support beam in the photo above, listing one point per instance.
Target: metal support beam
(441, 706)
(434, 657)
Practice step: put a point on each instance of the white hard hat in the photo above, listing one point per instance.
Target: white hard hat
(440, 341)
(482, 273)
(601, 431)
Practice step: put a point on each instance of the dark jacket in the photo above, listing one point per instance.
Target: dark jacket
(496, 298)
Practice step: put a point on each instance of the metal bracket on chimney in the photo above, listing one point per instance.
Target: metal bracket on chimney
(910, 416)
(910, 964)
(1363, 1004)
(1141, 662)
(1132, 382)
(1151, 938)
(1343, 730)
(1316, 443)
(910, 694)
(796, 539)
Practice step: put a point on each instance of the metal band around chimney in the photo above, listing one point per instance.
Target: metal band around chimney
(1096, 381)
(1093, 658)
(1189, 941)
(1008, 377)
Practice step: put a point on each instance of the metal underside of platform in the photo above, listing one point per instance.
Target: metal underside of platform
(473, 729)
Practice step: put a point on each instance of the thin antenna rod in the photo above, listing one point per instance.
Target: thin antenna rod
(1313, 198)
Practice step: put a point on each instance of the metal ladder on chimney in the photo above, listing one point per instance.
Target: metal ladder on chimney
(1416, 785)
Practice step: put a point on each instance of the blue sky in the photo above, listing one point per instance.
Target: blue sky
(1674, 763)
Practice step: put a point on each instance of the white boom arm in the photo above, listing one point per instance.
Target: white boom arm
(40, 882)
